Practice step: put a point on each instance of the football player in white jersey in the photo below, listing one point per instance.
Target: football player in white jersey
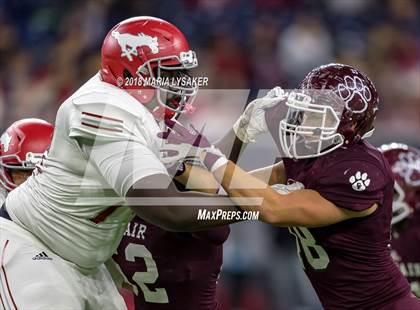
(22, 146)
(103, 158)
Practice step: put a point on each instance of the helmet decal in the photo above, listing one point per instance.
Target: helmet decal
(354, 86)
(129, 43)
(404, 161)
(407, 166)
(5, 141)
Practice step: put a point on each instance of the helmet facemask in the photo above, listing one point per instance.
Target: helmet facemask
(175, 90)
(310, 127)
(9, 163)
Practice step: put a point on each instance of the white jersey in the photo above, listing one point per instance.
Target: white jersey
(104, 141)
(3, 195)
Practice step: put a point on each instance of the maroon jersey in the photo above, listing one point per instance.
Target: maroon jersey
(405, 246)
(349, 263)
(171, 271)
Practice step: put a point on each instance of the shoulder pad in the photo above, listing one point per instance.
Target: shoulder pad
(102, 116)
(354, 175)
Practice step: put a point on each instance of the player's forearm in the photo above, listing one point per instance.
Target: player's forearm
(198, 179)
(174, 210)
(246, 191)
(300, 208)
(185, 218)
(274, 174)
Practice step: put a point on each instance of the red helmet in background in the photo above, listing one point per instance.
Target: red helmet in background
(22, 146)
(142, 49)
(334, 106)
(405, 164)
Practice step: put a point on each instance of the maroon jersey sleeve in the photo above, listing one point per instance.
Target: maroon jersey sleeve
(353, 185)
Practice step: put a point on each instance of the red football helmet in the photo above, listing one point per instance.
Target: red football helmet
(335, 105)
(405, 164)
(22, 146)
(145, 56)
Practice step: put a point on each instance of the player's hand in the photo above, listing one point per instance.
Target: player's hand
(182, 142)
(252, 122)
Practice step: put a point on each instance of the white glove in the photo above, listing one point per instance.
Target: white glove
(183, 142)
(287, 189)
(252, 122)
(211, 157)
(170, 154)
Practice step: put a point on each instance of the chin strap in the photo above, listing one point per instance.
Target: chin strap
(368, 134)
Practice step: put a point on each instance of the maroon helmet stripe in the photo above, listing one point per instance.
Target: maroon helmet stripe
(102, 117)
(101, 127)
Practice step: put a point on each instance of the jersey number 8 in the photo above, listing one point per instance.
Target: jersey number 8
(306, 244)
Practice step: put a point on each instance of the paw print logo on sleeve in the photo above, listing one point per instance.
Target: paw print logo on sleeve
(360, 181)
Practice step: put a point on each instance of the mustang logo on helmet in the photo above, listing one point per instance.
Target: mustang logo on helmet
(129, 43)
(5, 141)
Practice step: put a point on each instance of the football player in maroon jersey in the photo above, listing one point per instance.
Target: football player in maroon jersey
(405, 165)
(169, 270)
(333, 189)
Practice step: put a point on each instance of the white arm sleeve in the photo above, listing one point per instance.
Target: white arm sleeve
(123, 163)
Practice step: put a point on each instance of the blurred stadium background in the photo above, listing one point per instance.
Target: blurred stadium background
(49, 48)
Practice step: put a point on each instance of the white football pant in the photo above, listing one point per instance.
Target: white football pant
(34, 278)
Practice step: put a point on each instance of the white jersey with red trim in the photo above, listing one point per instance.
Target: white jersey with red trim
(104, 142)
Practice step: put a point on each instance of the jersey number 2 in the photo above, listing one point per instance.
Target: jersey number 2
(306, 244)
(158, 295)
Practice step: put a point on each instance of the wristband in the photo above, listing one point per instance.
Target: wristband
(214, 159)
